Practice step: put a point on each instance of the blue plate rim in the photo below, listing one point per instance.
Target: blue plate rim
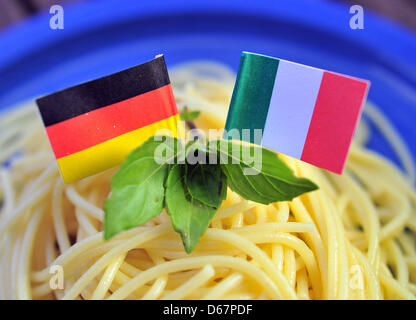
(22, 38)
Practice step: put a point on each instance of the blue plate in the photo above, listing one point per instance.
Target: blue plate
(101, 37)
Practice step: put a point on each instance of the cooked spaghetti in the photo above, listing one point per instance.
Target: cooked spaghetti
(354, 238)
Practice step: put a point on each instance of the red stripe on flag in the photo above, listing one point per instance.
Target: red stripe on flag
(337, 110)
(97, 126)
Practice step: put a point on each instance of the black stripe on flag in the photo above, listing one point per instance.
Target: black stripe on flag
(88, 96)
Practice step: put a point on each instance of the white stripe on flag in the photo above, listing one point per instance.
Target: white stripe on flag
(291, 106)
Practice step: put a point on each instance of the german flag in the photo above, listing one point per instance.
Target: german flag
(94, 125)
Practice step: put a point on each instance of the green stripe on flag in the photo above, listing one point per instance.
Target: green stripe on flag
(252, 93)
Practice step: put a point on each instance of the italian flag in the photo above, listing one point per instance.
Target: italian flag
(306, 113)
(93, 126)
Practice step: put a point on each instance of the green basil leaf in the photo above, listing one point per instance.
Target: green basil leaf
(190, 217)
(223, 187)
(203, 179)
(204, 183)
(138, 188)
(139, 200)
(189, 115)
(147, 149)
(273, 182)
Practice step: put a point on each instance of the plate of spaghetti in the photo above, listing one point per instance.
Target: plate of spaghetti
(353, 238)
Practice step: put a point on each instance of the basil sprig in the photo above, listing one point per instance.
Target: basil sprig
(189, 115)
(193, 192)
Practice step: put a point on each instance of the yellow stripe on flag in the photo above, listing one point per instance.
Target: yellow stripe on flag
(112, 152)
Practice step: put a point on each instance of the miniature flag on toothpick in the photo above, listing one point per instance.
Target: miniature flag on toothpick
(306, 113)
(94, 125)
